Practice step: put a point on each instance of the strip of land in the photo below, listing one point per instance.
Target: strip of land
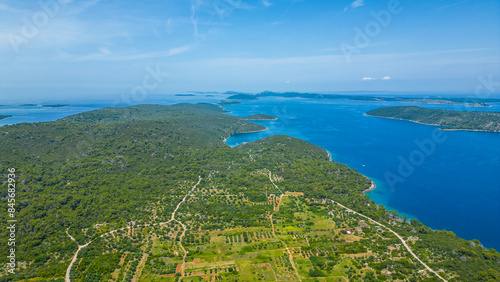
(260, 117)
(4, 117)
(446, 119)
(80, 247)
(470, 102)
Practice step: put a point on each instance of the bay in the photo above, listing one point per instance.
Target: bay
(455, 187)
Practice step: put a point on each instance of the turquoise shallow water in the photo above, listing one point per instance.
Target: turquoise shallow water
(453, 187)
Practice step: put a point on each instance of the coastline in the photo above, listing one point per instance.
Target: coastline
(266, 119)
(225, 138)
(329, 155)
(441, 128)
(6, 117)
(372, 187)
(251, 131)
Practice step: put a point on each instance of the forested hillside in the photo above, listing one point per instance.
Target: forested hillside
(152, 193)
(446, 119)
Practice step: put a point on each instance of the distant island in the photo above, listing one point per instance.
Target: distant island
(205, 92)
(446, 119)
(153, 193)
(4, 117)
(228, 103)
(478, 105)
(260, 117)
(242, 97)
(185, 95)
(55, 106)
(46, 106)
(472, 102)
(234, 93)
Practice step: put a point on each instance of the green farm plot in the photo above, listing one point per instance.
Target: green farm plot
(152, 193)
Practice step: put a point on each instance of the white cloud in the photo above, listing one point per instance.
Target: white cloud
(4, 7)
(169, 26)
(368, 78)
(386, 77)
(451, 5)
(194, 9)
(266, 3)
(357, 3)
(104, 50)
(83, 6)
(238, 4)
(106, 55)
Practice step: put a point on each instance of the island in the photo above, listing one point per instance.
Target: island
(476, 102)
(228, 103)
(55, 106)
(242, 97)
(478, 105)
(153, 193)
(5, 116)
(259, 117)
(446, 119)
(235, 93)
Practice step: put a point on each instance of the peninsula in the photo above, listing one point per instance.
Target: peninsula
(259, 117)
(152, 193)
(471, 102)
(446, 119)
(5, 116)
(228, 103)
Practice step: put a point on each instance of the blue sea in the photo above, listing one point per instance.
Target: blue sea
(446, 179)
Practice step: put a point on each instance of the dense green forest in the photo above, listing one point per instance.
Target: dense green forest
(446, 119)
(259, 117)
(157, 195)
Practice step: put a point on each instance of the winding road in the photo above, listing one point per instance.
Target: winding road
(183, 226)
(290, 255)
(397, 235)
(80, 247)
(75, 256)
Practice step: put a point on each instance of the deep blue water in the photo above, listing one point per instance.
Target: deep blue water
(39, 113)
(453, 186)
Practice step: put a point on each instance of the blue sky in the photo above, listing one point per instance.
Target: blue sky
(106, 47)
